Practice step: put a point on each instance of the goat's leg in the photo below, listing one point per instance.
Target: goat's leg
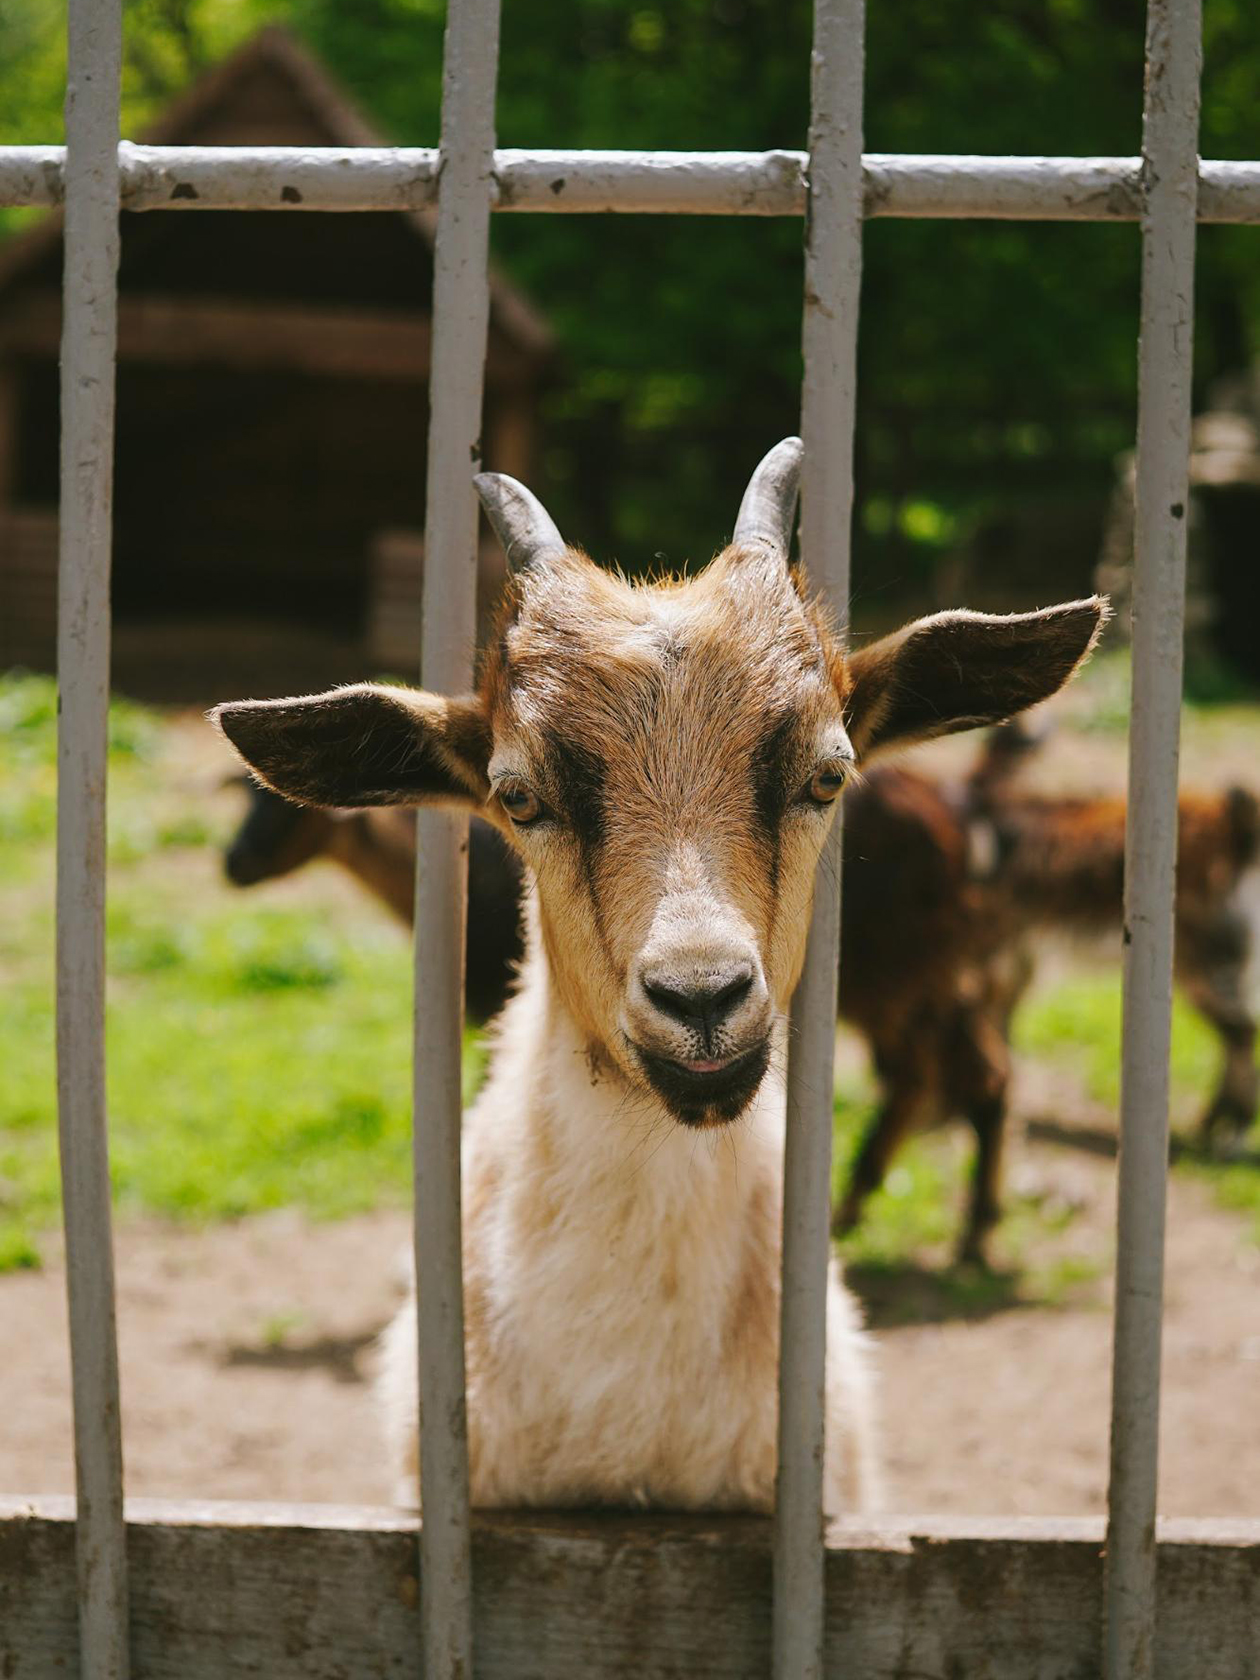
(1212, 962)
(979, 1071)
(906, 1095)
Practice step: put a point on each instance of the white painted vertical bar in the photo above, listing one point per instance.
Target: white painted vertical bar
(1170, 168)
(87, 444)
(833, 254)
(461, 304)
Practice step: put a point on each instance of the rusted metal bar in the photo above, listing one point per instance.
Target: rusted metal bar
(87, 470)
(910, 185)
(833, 257)
(461, 310)
(1170, 139)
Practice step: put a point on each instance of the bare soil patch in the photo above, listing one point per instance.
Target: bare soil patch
(247, 1350)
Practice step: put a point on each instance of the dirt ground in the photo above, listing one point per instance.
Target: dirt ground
(246, 1353)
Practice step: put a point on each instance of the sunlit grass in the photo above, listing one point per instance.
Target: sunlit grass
(257, 1056)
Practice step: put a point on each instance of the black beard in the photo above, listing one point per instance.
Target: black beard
(706, 1099)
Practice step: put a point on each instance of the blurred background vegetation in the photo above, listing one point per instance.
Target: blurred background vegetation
(997, 361)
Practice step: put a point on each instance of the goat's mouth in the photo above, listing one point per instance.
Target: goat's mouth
(706, 1093)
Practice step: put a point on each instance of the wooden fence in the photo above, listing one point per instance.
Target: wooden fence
(325, 1592)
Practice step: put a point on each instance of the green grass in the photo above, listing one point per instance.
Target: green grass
(1077, 1026)
(902, 1255)
(258, 1056)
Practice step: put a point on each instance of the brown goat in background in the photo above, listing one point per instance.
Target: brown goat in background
(977, 871)
(944, 888)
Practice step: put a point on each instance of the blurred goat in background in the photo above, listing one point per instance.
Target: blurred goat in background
(377, 845)
(946, 887)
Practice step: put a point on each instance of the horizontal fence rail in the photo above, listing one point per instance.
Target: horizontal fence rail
(925, 186)
(308, 1592)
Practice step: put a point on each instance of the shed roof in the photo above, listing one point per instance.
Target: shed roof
(272, 91)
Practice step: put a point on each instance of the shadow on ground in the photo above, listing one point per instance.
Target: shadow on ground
(1102, 1141)
(345, 1358)
(896, 1293)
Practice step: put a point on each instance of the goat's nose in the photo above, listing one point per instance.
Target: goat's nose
(241, 867)
(704, 1003)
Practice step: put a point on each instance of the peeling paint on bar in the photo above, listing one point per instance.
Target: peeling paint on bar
(914, 186)
(87, 475)
(461, 313)
(1165, 356)
(833, 264)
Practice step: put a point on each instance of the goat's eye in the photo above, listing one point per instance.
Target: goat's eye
(520, 804)
(825, 784)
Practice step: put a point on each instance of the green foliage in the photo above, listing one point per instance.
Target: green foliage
(1078, 1024)
(996, 360)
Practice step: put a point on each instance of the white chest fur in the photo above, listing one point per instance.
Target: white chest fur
(621, 1297)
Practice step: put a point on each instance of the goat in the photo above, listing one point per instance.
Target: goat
(1059, 863)
(938, 1024)
(378, 846)
(666, 756)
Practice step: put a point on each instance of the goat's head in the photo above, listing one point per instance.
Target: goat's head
(667, 758)
(275, 838)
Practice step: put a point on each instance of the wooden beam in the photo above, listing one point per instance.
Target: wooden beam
(314, 1592)
(190, 331)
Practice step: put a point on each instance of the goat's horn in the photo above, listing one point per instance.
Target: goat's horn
(521, 523)
(768, 510)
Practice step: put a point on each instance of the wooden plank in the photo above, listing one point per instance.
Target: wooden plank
(187, 330)
(226, 333)
(322, 1593)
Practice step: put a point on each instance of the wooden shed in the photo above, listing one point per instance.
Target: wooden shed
(269, 490)
(1223, 539)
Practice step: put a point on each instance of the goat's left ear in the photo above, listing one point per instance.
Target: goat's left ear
(958, 670)
(364, 745)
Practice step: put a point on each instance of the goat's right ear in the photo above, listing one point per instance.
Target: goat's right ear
(364, 745)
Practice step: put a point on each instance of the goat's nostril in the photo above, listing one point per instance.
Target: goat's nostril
(704, 1005)
(728, 997)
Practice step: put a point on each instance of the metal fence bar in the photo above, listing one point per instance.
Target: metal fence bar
(833, 254)
(1170, 137)
(363, 178)
(87, 444)
(461, 309)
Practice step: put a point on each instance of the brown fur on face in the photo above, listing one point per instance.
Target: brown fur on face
(669, 731)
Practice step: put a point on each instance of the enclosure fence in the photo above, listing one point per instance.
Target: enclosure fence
(316, 1591)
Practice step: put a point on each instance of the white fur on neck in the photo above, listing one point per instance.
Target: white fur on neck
(621, 1292)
